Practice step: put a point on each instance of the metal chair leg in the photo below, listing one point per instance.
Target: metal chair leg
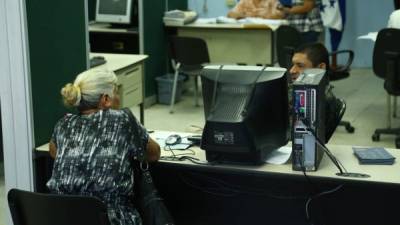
(389, 109)
(175, 84)
(196, 90)
(394, 106)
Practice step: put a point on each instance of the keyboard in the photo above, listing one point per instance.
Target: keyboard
(97, 61)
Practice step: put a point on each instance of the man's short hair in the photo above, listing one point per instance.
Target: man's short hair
(316, 53)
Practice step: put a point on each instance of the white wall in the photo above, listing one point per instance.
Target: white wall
(15, 97)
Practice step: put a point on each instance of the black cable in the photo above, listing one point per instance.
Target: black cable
(326, 150)
(215, 89)
(309, 200)
(253, 88)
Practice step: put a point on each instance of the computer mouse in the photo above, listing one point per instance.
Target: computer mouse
(98, 57)
(173, 139)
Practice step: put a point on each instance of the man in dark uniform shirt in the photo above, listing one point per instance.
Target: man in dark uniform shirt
(315, 55)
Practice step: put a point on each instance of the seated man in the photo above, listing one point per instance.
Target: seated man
(315, 55)
(267, 9)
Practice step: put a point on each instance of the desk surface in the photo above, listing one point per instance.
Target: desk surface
(378, 173)
(223, 26)
(107, 28)
(389, 174)
(118, 61)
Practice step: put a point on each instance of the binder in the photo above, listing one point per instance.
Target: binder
(373, 156)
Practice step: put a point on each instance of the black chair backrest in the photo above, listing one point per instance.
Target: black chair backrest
(386, 48)
(288, 39)
(189, 51)
(386, 59)
(30, 208)
(337, 108)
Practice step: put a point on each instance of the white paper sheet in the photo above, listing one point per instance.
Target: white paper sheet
(370, 36)
(280, 155)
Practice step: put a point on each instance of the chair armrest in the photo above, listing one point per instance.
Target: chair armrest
(349, 61)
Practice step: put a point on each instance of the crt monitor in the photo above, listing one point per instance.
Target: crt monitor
(246, 110)
(115, 11)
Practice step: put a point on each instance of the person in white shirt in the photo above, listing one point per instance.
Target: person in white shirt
(394, 20)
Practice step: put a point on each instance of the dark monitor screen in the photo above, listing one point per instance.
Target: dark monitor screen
(246, 110)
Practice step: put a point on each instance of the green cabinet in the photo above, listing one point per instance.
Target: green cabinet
(57, 48)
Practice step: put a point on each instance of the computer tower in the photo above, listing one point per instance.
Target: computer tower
(308, 119)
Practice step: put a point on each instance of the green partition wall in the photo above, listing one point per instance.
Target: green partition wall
(155, 39)
(57, 48)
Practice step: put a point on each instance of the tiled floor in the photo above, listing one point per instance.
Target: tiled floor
(366, 110)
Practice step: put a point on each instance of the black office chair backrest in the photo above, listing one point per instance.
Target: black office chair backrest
(288, 39)
(30, 208)
(386, 48)
(386, 59)
(336, 108)
(191, 52)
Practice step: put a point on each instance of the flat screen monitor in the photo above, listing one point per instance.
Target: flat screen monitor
(246, 112)
(114, 11)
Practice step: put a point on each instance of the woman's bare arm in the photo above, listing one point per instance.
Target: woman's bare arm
(152, 151)
(52, 149)
(301, 9)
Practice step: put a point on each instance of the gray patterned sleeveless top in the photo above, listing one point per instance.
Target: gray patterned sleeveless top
(94, 154)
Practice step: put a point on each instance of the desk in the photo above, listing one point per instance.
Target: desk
(250, 44)
(276, 195)
(104, 38)
(130, 72)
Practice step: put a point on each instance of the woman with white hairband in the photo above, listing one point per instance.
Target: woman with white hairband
(94, 149)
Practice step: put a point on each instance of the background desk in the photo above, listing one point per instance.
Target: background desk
(130, 72)
(104, 38)
(234, 43)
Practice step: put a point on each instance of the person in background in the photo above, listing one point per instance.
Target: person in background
(267, 9)
(307, 56)
(305, 16)
(315, 55)
(394, 19)
(94, 148)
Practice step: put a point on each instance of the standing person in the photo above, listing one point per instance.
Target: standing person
(305, 16)
(267, 9)
(94, 149)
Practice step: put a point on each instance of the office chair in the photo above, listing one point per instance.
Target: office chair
(339, 72)
(337, 108)
(288, 39)
(386, 65)
(189, 54)
(30, 208)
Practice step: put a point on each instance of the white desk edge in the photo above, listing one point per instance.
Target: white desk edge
(389, 174)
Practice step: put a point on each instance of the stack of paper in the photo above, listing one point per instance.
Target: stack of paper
(178, 17)
(373, 155)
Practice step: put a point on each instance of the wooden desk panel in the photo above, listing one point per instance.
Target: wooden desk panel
(232, 44)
